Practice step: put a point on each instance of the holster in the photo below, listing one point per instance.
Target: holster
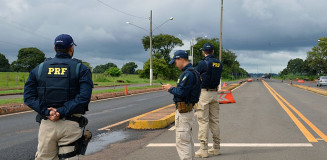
(81, 143)
(184, 107)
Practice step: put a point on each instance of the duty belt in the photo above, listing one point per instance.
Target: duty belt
(184, 107)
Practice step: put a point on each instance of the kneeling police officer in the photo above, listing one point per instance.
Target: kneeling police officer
(186, 94)
(59, 90)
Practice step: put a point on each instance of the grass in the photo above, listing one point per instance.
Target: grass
(11, 101)
(17, 91)
(20, 100)
(102, 80)
(15, 80)
(122, 89)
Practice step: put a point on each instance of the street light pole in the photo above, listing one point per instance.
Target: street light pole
(221, 37)
(151, 71)
(150, 37)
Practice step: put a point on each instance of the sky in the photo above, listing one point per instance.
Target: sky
(264, 34)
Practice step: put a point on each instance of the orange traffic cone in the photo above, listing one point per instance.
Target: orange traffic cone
(226, 97)
(224, 85)
(126, 92)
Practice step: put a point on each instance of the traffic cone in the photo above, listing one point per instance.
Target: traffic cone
(126, 92)
(226, 97)
(224, 85)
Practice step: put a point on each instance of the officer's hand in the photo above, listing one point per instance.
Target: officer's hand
(166, 86)
(54, 115)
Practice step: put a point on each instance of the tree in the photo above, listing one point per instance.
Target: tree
(317, 61)
(129, 68)
(295, 66)
(87, 64)
(197, 49)
(160, 68)
(231, 66)
(284, 72)
(113, 71)
(103, 68)
(162, 44)
(27, 59)
(4, 63)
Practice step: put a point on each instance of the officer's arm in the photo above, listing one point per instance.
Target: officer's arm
(184, 87)
(201, 67)
(81, 99)
(31, 96)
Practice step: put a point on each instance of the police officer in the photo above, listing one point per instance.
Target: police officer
(186, 94)
(59, 90)
(210, 69)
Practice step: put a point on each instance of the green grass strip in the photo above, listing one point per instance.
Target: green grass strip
(20, 100)
(11, 101)
(19, 91)
(123, 89)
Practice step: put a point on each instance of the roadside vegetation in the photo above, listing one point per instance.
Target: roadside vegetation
(13, 76)
(314, 66)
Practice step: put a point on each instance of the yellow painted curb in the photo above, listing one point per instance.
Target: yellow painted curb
(312, 89)
(135, 123)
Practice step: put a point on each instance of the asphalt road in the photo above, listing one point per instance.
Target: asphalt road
(18, 134)
(258, 127)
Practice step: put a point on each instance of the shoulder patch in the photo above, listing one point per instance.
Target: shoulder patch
(184, 78)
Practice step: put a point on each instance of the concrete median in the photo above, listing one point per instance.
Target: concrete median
(164, 116)
(159, 118)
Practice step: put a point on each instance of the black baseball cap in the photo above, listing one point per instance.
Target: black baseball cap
(64, 41)
(207, 47)
(179, 54)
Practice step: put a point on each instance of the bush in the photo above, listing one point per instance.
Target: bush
(113, 71)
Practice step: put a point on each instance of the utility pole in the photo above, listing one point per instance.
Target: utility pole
(221, 37)
(151, 71)
(221, 30)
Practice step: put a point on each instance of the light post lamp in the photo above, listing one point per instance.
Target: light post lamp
(150, 37)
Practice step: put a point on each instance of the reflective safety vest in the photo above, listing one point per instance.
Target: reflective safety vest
(58, 81)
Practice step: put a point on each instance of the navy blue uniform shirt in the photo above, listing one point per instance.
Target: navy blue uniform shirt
(202, 66)
(185, 83)
(85, 82)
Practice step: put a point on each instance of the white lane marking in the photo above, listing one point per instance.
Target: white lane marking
(172, 128)
(239, 145)
(15, 113)
(113, 125)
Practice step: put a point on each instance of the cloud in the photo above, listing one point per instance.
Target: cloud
(284, 29)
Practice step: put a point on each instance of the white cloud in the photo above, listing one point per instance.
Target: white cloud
(260, 61)
(267, 31)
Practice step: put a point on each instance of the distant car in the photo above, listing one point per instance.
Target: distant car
(322, 81)
(250, 80)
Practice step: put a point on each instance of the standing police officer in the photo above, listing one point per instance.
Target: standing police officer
(59, 90)
(210, 69)
(186, 94)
